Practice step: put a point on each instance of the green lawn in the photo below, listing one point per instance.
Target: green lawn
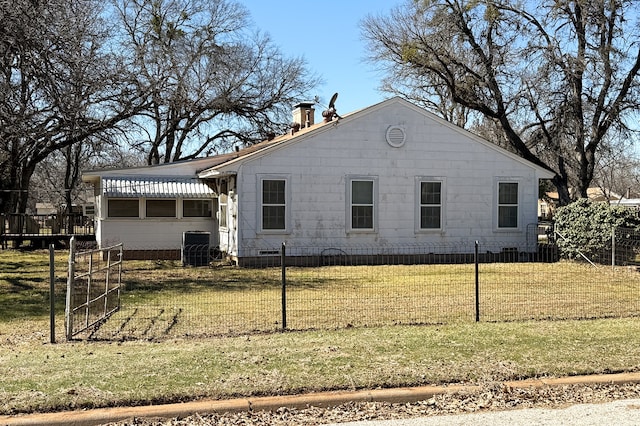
(38, 377)
(164, 300)
(176, 316)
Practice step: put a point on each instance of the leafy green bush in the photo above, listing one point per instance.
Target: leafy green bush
(585, 227)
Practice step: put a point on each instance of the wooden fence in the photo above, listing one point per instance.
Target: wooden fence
(40, 230)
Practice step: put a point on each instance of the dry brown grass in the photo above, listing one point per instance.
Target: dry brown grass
(167, 304)
(164, 301)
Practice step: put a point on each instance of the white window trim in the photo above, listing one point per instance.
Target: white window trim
(348, 220)
(418, 205)
(287, 205)
(496, 186)
(223, 210)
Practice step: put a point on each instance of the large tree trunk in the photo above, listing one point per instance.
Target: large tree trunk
(562, 186)
(23, 196)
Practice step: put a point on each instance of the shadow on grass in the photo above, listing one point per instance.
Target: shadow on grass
(24, 285)
(226, 284)
(28, 304)
(11, 266)
(25, 299)
(153, 324)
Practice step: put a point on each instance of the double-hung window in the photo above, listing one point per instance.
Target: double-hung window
(430, 204)
(273, 197)
(507, 205)
(362, 204)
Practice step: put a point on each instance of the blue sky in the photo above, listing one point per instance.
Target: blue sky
(327, 34)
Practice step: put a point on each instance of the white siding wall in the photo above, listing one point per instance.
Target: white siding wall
(151, 234)
(317, 168)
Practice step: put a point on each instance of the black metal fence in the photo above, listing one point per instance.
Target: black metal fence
(302, 288)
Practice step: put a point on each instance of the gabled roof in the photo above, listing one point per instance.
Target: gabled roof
(263, 146)
(223, 164)
(227, 162)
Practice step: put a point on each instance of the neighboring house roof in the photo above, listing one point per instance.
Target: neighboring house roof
(45, 208)
(597, 194)
(155, 187)
(593, 194)
(627, 202)
(228, 162)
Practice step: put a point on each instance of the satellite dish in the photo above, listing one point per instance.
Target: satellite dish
(332, 102)
(330, 113)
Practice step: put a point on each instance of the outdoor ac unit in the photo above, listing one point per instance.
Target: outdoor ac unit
(195, 248)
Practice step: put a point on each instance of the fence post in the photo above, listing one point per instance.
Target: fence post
(283, 258)
(68, 314)
(52, 300)
(477, 282)
(613, 247)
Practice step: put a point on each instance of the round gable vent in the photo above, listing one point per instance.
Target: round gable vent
(396, 136)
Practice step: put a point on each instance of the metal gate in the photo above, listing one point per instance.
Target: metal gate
(93, 287)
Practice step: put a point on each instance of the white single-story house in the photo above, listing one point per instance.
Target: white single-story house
(389, 175)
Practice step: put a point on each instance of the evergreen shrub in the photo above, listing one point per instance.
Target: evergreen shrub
(586, 227)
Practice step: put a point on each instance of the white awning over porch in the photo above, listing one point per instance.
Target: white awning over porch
(155, 187)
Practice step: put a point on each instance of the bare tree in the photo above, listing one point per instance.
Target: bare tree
(213, 82)
(56, 179)
(60, 86)
(555, 77)
(618, 170)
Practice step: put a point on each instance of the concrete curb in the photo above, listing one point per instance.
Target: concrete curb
(319, 399)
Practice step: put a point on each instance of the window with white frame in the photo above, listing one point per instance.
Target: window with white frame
(196, 208)
(430, 204)
(274, 205)
(507, 205)
(161, 208)
(123, 207)
(223, 210)
(362, 203)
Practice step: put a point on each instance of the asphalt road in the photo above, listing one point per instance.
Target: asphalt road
(618, 413)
